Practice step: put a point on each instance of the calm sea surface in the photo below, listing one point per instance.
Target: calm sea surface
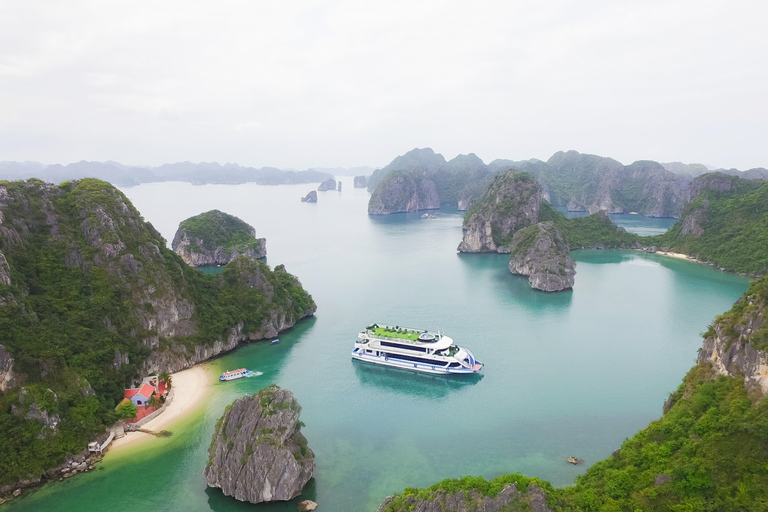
(571, 373)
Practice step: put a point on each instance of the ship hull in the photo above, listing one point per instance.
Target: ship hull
(415, 366)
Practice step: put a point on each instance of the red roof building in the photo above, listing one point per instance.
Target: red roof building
(140, 396)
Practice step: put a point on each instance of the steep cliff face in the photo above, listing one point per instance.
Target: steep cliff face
(737, 343)
(541, 253)
(216, 238)
(404, 191)
(7, 378)
(584, 182)
(258, 453)
(95, 301)
(512, 202)
(456, 182)
(361, 181)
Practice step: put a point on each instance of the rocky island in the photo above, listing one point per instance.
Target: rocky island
(361, 181)
(311, 197)
(541, 253)
(129, 307)
(258, 452)
(329, 184)
(216, 238)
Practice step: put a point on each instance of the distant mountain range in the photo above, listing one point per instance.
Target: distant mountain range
(422, 179)
(197, 174)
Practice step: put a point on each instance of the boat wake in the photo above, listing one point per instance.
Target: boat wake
(254, 374)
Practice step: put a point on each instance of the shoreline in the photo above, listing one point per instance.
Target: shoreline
(191, 387)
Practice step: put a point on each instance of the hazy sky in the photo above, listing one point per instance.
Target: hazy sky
(302, 83)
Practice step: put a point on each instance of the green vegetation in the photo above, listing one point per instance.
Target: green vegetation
(396, 333)
(404, 501)
(86, 275)
(596, 230)
(219, 229)
(734, 227)
(126, 409)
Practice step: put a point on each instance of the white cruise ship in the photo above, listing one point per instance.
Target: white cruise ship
(413, 349)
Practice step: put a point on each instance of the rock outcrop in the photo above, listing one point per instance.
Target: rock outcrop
(512, 202)
(402, 192)
(258, 452)
(737, 343)
(361, 181)
(5, 270)
(456, 182)
(541, 253)
(311, 197)
(216, 238)
(329, 184)
(339, 187)
(509, 499)
(7, 377)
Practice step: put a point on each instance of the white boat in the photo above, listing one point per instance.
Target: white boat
(235, 374)
(413, 349)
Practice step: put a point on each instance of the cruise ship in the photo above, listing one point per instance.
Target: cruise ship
(413, 349)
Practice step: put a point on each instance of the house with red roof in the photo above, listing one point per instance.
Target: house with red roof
(140, 396)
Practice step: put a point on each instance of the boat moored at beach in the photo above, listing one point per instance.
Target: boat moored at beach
(235, 374)
(413, 349)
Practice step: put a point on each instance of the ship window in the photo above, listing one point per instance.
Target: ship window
(406, 347)
(415, 359)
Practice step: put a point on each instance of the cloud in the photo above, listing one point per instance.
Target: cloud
(355, 83)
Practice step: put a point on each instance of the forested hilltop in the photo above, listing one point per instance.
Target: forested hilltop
(725, 222)
(91, 300)
(422, 179)
(706, 453)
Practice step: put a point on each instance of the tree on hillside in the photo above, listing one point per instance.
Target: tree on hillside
(126, 409)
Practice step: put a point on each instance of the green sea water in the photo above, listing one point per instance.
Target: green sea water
(571, 373)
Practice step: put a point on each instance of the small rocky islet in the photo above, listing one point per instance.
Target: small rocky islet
(311, 197)
(216, 238)
(257, 452)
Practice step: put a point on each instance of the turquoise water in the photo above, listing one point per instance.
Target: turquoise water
(572, 373)
(635, 223)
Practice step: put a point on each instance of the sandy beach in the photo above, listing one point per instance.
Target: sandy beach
(676, 255)
(190, 389)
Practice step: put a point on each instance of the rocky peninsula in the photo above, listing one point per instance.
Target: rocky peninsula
(541, 253)
(129, 307)
(216, 238)
(258, 452)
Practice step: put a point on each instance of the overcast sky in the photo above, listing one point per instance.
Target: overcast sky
(300, 83)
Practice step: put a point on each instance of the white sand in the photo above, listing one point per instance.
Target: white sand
(190, 388)
(675, 255)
